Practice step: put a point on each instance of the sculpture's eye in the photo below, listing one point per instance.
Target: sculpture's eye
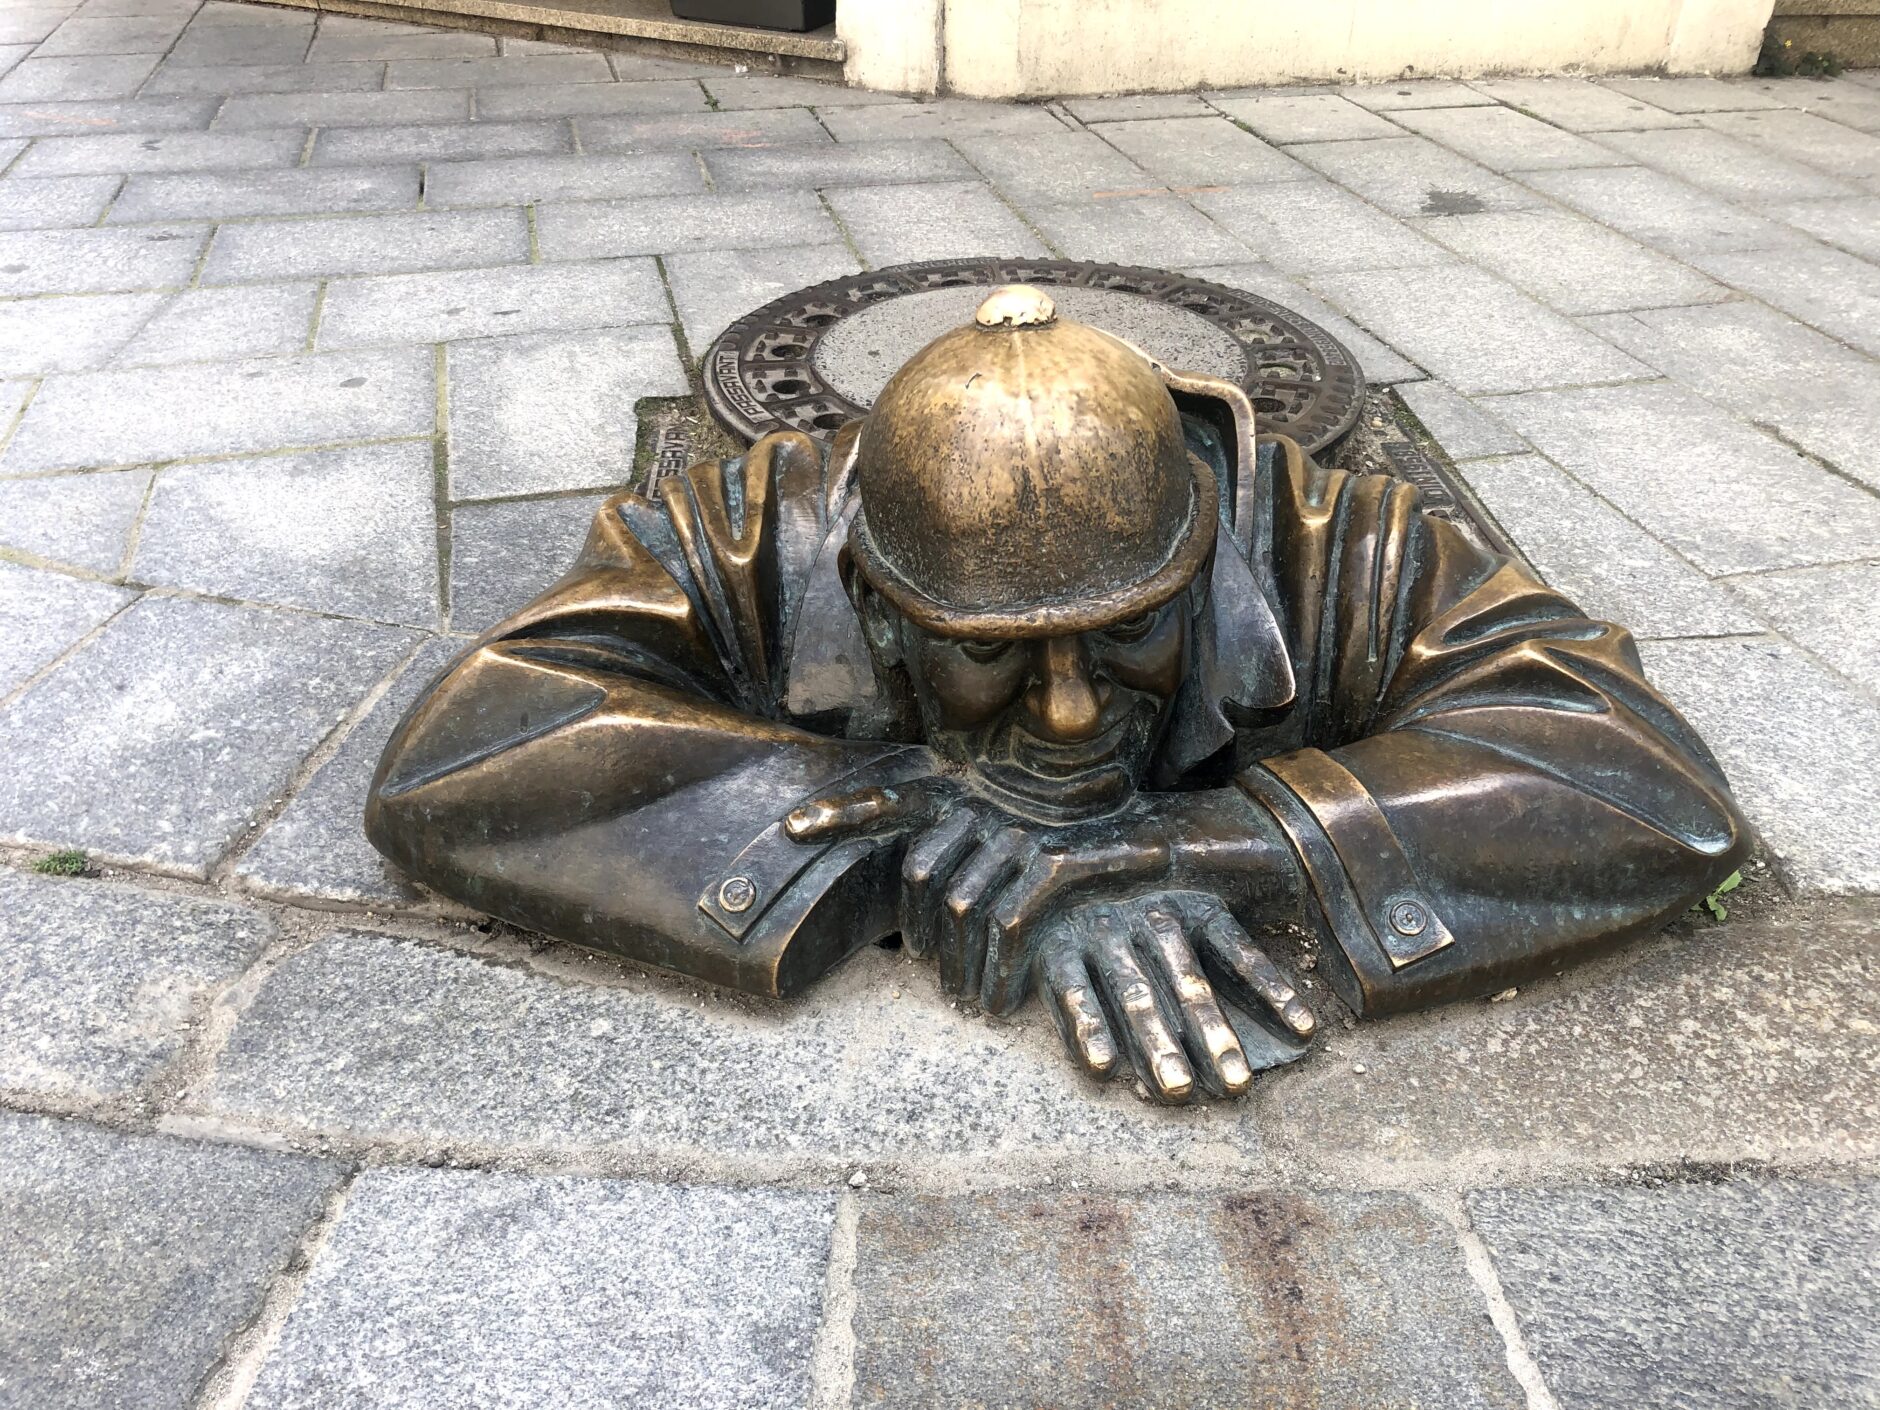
(984, 650)
(1134, 629)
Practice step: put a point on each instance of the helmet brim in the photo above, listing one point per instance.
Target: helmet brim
(1193, 551)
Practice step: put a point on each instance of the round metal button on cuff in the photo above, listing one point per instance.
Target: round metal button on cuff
(1408, 918)
(739, 893)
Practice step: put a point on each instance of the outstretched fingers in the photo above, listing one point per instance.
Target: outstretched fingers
(1158, 1055)
(1076, 1010)
(1213, 1046)
(1248, 974)
(962, 930)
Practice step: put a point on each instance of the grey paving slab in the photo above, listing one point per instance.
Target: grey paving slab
(1131, 106)
(343, 38)
(218, 194)
(1660, 210)
(126, 34)
(123, 34)
(1719, 163)
(44, 614)
(166, 151)
(317, 849)
(133, 1259)
(131, 115)
(669, 224)
(476, 303)
(1457, 424)
(267, 78)
(11, 54)
(99, 261)
(51, 202)
(1306, 227)
(711, 288)
(823, 164)
(208, 325)
(944, 220)
(360, 531)
(100, 985)
(942, 117)
(1318, 117)
(470, 73)
(1690, 1295)
(1380, 364)
(1404, 96)
(1409, 176)
(1833, 612)
(502, 555)
(1472, 330)
(452, 1288)
(535, 100)
(224, 408)
(94, 76)
(553, 411)
(1334, 1300)
(1610, 567)
(634, 66)
(275, 44)
(632, 132)
(82, 520)
(1768, 369)
(1692, 93)
(71, 334)
(1804, 137)
(733, 91)
(1578, 104)
(161, 739)
(439, 141)
(519, 180)
(1751, 1041)
(1724, 495)
(1153, 230)
(416, 1043)
(1827, 289)
(1571, 264)
(367, 244)
(1054, 168)
(1186, 153)
(1504, 140)
(31, 24)
(343, 109)
(1852, 225)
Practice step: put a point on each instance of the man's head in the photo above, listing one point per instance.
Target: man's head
(1030, 550)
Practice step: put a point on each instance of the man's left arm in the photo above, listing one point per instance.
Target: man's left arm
(1500, 788)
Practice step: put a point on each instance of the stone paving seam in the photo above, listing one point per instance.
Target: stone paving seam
(232, 1378)
(310, 764)
(832, 1358)
(1450, 1205)
(25, 687)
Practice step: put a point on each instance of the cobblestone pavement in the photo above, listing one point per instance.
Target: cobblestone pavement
(318, 342)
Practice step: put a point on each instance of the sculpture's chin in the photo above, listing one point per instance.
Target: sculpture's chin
(1065, 783)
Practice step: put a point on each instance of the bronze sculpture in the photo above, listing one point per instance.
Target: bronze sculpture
(1055, 668)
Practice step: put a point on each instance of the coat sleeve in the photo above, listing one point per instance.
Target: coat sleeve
(1490, 784)
(607, 766)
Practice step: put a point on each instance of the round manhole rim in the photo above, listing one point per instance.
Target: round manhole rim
(1331, 411)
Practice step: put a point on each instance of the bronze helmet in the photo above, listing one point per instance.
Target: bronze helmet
(1026, 475)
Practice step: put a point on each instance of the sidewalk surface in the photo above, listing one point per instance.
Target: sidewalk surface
(319, 341)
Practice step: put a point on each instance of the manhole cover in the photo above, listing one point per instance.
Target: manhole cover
(816, 359)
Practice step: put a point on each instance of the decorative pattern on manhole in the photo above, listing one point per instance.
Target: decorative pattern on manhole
(816, 359)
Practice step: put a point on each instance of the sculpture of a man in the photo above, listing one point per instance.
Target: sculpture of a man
(1055, 669)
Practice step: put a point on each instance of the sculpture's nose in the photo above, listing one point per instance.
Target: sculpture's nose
(1065, 699)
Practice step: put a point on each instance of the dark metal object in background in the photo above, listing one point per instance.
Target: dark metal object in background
(797, 16)
(1105, 706)
(764, 372)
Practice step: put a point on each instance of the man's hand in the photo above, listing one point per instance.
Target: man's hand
(976, 884)
(1141, 979)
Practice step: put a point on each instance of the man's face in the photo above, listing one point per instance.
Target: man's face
(1057, 727)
